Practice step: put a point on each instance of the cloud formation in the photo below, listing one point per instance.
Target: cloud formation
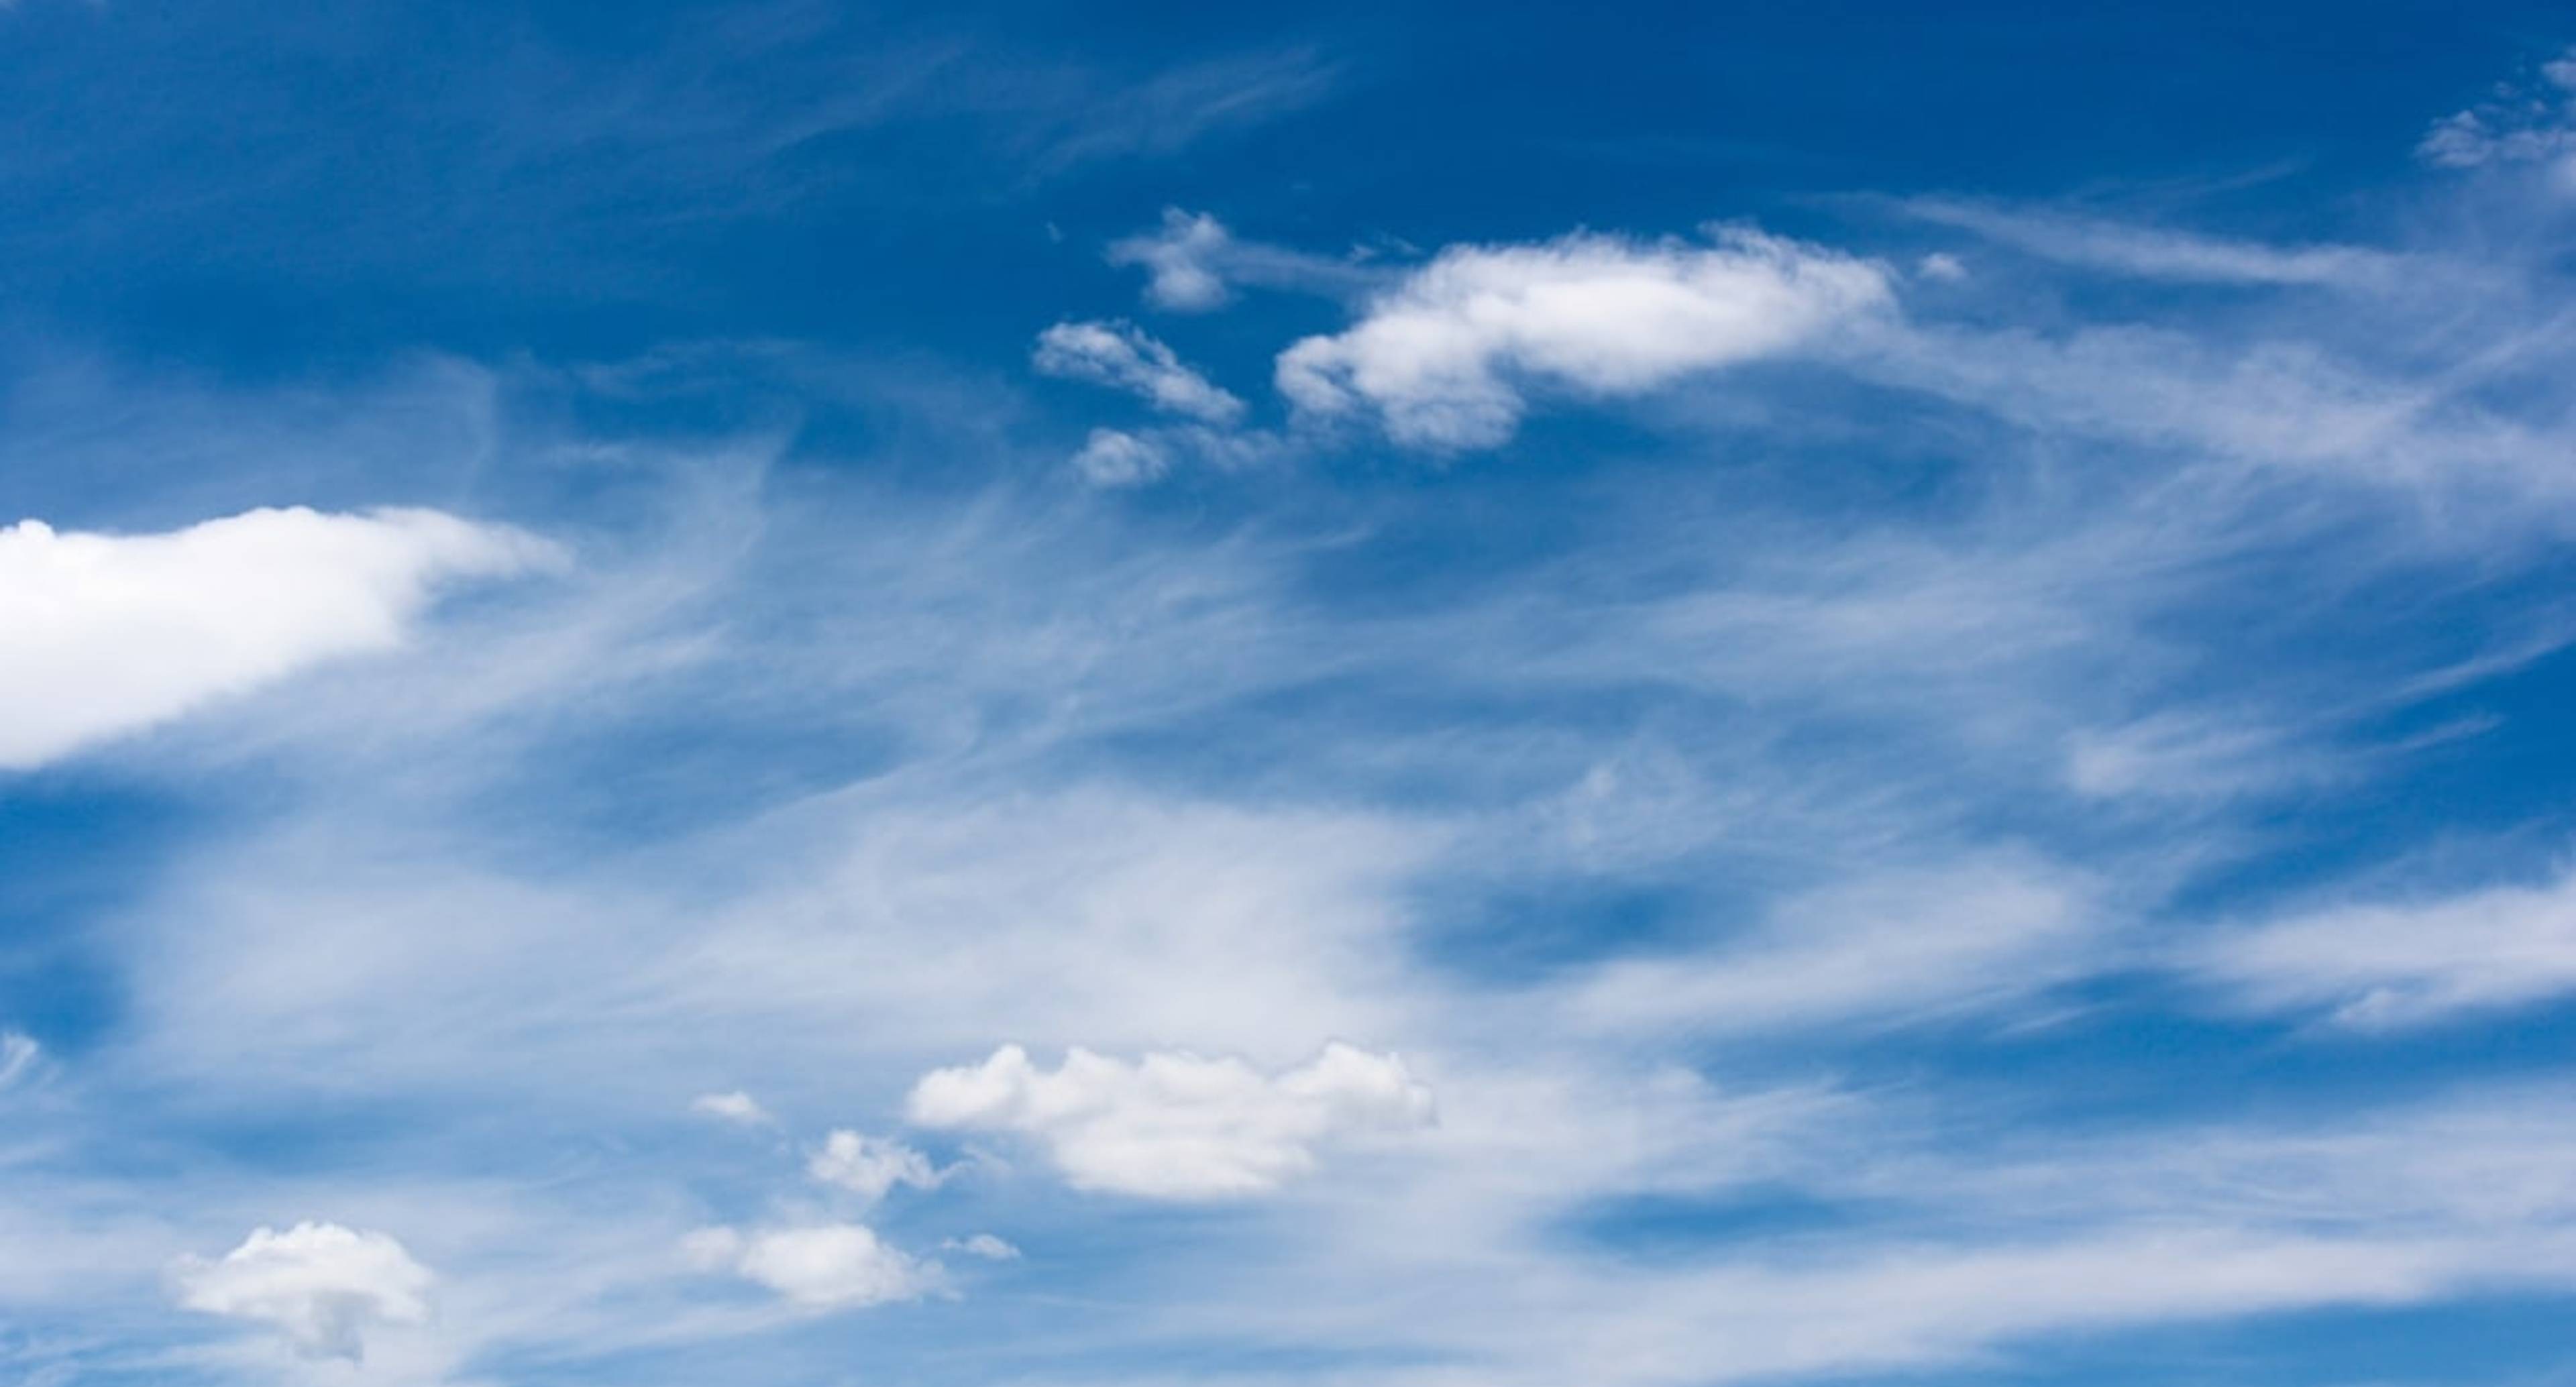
(1180, 261)
(102, 635)
(1176, 1126)
(18, 1054)
(1117, 458)
(324, 1286)
(2160, 253)
(2381, 965)
(1192, 264)
(736, 1107)
(821, 1267)
(869, 1166)
(1446, 359)
(1123, 356)
(2523, 124)
(1879, 951)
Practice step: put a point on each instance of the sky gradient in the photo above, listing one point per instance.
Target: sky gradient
(1351, 696)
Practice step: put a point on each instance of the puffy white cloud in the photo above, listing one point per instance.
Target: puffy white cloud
(1123, 356)
(1114, 457)
(824, 1266)
(326, 1287)
(2522, 125)
(737, 1106)
(1176, 1126)
(2386, 965)
(1179, 260)
(1444, 359)
(106, 634)
(984, 1245)
(869, 1166)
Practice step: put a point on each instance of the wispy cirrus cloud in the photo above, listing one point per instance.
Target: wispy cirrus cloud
(2378, 965)
(1193, 263)
(2150, 252)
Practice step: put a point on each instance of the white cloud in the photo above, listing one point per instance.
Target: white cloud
(2387, 965)
(1114, 458)
(1179, 260)
(984, 1245)
(1176, 1126)
(2295, 406)
(1130, 115)
(18, 1054)
(737, 1107)
(1444, 359)
(2158, 253)
(326, 1287)
(1192, 263)
(869, 1166)
(2183, 755)
(824, 1266)
(2522, 125)
(1123, 356)
(1891, 949)
(103, 634)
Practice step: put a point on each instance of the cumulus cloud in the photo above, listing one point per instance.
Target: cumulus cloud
(737, 1107)
(1116, 458)
(869, 1166)
(1179, 260)
(1176, 1126)
(2533, 124)
(1444, 360)
(1125, 357)
(324, 1286)
(984, 1245)
(824, 1266)
(1113, 458)
(2389, 965)
(105, 634)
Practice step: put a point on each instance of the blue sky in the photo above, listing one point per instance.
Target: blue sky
(1372, 696)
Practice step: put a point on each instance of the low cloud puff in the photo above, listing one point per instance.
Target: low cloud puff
(1176, 1126)
(869, 1166)
(1180, 261)
(824, 1266)
(736, 1107)
(1444, 360)
(324, 1286)
(1125, 357)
